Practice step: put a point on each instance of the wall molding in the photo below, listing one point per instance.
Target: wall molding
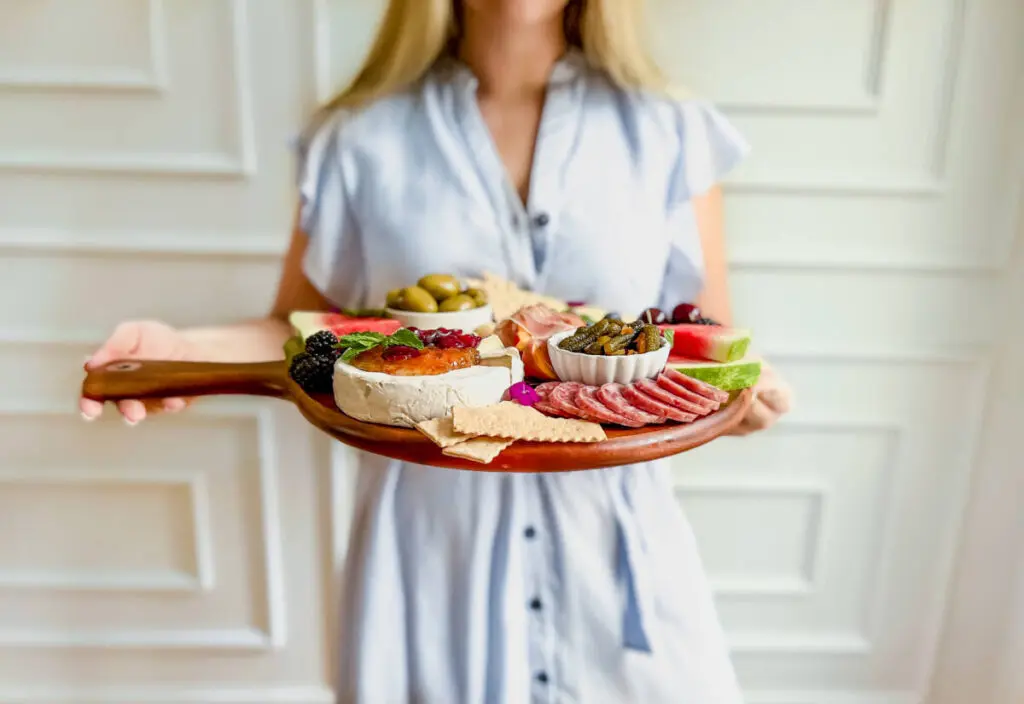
(867, 104)
(154, 78)
(200, 580)
(271, 244)
(841, 696)
(270, 636)
(209, 694)
(165, 164)
(816, 495)
(856, 643)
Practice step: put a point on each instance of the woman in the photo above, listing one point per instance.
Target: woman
(530, 138)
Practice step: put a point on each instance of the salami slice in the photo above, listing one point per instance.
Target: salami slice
(544, 390)
(562, 398)
(676, 390)
(649, 387)
(587, 401)
(696, 385)
(652, 405)
(611, 396)
(549, 410)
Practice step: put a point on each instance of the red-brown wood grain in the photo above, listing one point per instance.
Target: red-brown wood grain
(151, 379)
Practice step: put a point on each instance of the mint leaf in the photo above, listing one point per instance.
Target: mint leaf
(351, 352)
(669, 334)
(365, 340)
(405, 337)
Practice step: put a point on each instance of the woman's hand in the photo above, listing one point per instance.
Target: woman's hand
(772, 397)
(139, 340)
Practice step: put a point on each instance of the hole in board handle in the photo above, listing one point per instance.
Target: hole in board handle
(124, 366)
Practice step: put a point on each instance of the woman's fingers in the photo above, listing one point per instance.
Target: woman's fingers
(776, 398)
(173, 405)
(760, 416)
(123, 342)
(134, 411)
(90, 408)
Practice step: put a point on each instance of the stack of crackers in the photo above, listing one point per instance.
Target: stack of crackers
(506, 297)
(480, 434)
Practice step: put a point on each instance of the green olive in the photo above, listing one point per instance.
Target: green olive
(440, 286)
(479, 297)
(458, 302)
(418, 300)
(394, 298)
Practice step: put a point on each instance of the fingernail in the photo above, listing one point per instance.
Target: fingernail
(88, 418)
(129, 422)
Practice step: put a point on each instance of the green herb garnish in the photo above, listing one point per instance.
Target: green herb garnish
(670, 335)
(358, 342)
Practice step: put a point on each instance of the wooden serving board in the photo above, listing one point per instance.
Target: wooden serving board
(141, 379)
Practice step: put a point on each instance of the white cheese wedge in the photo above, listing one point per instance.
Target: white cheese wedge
(491, 346)
(374, 397)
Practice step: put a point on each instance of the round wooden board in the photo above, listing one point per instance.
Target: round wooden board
(153, 379)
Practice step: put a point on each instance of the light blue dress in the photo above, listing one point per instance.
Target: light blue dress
(485, 588)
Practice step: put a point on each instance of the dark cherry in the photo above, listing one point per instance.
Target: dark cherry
(448, 342)
(686, 313)
(397, 353)
(654, 316)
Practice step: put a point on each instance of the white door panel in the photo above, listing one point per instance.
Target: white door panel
(145, 171)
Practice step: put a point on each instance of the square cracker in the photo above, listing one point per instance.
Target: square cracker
(482, 450)
(513, 421)
(442, 432)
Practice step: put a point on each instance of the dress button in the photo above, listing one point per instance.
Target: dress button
(530, 532)
(541, 220)
(535, 604)
(542, 677)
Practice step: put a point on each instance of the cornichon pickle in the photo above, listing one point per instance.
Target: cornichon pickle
(652, 336)
(618, 343)
(577, 341)
(597, 346)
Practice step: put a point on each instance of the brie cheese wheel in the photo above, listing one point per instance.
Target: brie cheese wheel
(403, 401)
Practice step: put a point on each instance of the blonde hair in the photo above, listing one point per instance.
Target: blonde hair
(414, 34)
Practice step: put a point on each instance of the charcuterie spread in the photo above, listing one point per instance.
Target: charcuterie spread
(480, 364)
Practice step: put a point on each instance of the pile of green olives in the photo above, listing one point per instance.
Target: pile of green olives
(436, 293)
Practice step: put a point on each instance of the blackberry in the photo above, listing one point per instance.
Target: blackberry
(322, 343)
(313, 372)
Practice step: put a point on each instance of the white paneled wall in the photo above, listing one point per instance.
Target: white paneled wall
(145, 171)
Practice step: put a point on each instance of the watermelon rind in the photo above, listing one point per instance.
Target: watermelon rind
(727, 376)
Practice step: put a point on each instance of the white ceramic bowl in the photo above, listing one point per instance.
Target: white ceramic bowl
(595, 370)
(465, 320)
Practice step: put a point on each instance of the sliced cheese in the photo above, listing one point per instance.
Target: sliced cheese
(406, 400)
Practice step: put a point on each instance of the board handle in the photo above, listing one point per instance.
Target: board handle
(142, 379)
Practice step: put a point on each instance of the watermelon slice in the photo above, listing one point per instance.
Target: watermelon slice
(727, 376)
(305, 323)
(715, 343)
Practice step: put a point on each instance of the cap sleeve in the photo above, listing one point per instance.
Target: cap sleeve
(709, 148)
(334, 259)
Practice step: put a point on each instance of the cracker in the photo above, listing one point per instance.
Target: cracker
(481, 450)
(513, 421)
(442, 432)
(506, 297)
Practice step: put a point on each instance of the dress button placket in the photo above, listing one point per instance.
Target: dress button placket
(535, 565)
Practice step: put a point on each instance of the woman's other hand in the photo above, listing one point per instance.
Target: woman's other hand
(772, 398)
(139, 340)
